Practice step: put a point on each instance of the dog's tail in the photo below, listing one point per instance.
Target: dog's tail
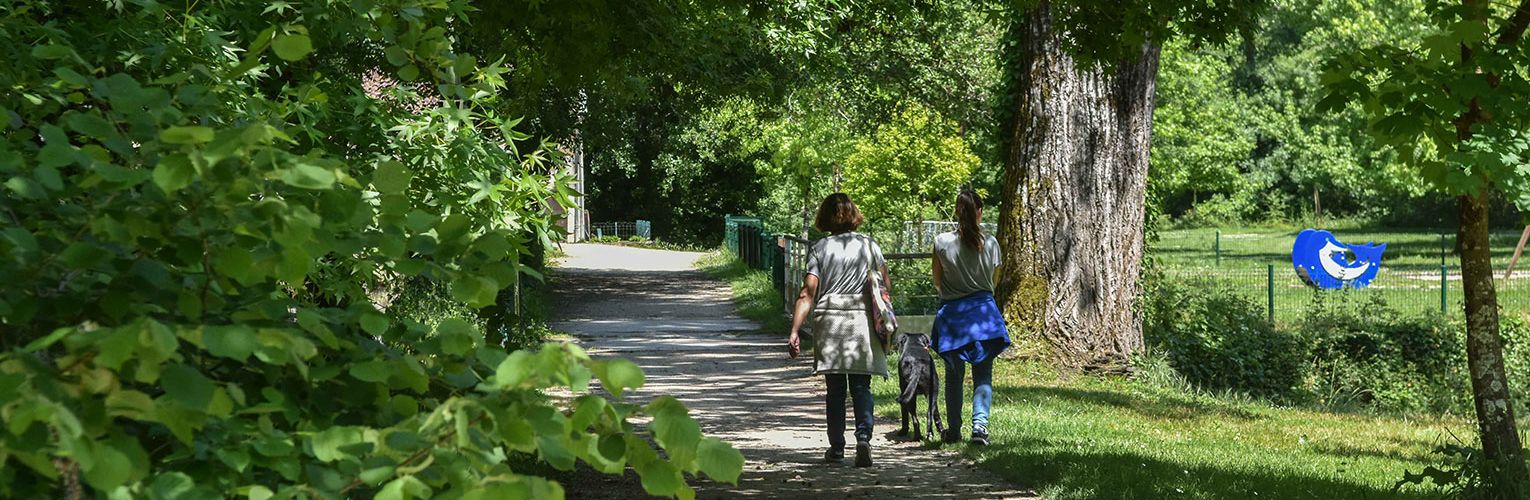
(909, 392)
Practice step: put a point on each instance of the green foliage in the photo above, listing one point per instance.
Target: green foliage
(1221, 341)
(1462, 474)
(1266, 90)
(1415, 94)
(213, 217)
(1372, 355)
(1199, 137)
(915, 161)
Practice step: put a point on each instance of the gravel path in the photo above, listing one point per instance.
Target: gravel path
(654, 308)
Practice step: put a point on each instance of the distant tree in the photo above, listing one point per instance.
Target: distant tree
(916, 161)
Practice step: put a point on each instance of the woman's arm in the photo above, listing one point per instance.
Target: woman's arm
(935, 270)
(800, 311)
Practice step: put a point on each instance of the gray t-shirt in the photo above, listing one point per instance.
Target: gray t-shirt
(964, 271)
(839, 262)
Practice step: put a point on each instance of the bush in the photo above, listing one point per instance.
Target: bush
(1375, 356)
(1219, 340)
(241, 259)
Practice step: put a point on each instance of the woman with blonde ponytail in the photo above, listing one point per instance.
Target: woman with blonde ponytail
(968, 327)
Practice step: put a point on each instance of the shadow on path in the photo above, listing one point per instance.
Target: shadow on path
(680, 326)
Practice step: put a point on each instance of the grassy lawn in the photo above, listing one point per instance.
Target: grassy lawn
(753, 293)
(1090, 437)
(1107, 437)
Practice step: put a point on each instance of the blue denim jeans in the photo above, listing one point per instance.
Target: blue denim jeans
(860, 395)
(982, 391)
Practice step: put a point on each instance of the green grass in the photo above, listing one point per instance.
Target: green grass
(1095, 437)
(753, 292)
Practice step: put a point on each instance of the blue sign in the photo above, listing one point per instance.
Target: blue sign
(1323, 262)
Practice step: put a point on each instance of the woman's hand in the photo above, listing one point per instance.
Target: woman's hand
(793, 345)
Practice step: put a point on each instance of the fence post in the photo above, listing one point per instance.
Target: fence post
(1442, 249)
(1444, 287)
(1269, 282)
(1217, 247)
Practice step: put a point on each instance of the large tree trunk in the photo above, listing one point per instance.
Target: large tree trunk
(1075, 160)
(1484, 348)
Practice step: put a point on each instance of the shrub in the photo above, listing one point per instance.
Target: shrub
(1369, 353)
(1219, 340)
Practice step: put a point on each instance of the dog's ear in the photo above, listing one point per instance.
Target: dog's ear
(924, 339)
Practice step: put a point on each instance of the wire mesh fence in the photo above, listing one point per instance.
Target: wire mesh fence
(1413, 287)
(622, 229)
(1286, 297)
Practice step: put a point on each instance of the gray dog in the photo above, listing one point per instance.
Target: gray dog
(916, 375)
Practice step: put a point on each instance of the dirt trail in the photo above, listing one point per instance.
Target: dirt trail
(654, 308)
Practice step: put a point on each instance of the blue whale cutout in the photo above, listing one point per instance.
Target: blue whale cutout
(1321, 260)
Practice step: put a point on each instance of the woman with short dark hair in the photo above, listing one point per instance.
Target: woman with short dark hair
(968, 327)
(845, 349)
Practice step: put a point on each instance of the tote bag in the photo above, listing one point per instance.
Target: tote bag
(884, 323)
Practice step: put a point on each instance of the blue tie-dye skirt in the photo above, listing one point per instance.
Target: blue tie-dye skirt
(970, 328)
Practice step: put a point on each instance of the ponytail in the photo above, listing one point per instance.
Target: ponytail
(968, 227)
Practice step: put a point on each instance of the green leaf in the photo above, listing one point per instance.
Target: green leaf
(391, 177)
(308, 177)
(617, 375)
(187, 386)
(372, 371)
(292, 47)
(84, 255)
(26, 188)
(328, 443)
(376, 475)
(172, 486)
(186, 135)
(109, 467)
(403, 488)
(475, 291)
(43, 343)
(674, 429)
(514, 369)
(374, 323)
(409, 73)
(51, 51)
(70, 76)
(457, 336)
(404, 405)
(258, 492)
(173, 173)
(234, 341)
(719, 460)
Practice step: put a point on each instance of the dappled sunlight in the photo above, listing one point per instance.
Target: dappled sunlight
(743, 388)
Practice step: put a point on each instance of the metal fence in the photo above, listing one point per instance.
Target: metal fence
(622, 229)
(1409, 291)
(1413, 290)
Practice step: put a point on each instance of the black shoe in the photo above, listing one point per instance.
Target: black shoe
(862, 454)
(951, 436)
(834, 455)
(980, 437)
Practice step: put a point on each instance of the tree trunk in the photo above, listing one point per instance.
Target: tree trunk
(1484, 349)
(1075, 160)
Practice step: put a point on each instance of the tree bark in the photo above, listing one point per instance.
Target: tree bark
(1484, 349)
(1484, 343)
(1076, 143)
